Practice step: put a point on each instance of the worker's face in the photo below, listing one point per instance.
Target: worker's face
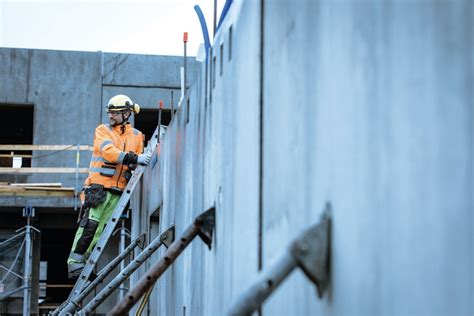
(117, 118)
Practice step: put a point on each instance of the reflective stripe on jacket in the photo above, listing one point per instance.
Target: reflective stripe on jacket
(110, 148)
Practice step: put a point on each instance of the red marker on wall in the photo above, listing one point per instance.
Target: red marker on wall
(159, 119)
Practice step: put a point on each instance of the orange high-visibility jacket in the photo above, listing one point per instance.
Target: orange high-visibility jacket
(110, 147)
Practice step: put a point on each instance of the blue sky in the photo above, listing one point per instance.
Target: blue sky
(130, 26)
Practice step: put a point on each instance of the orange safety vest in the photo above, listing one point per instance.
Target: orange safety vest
(110, 147)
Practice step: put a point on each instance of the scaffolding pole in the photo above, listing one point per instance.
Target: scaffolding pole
(167, 236)
(203, 226)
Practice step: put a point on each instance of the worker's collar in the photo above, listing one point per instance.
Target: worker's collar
(122, 128)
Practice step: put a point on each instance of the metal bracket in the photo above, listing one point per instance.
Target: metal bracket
(206, 223)
(203, 226)
(311, 251)
(167, 237)
(29, 211)
(141, 241)
(127, 271)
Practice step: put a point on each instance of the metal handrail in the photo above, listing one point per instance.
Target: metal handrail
(310, 252)
(203, 226)
(165, 238)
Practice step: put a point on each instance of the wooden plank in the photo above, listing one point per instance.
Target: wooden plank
(56, 184)
(45, 147)
(5, 170)
(17, 155)
(23, 192)
(48, 189)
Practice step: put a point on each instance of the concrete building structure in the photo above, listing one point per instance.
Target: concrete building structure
(58, 98)
(365, 105)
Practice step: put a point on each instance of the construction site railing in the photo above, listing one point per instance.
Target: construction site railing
(310, 251)
(27, 233)
(166, 238)
(203, 226)
(29, 170)
(76, 302)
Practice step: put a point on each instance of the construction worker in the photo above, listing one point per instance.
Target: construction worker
(118, 149)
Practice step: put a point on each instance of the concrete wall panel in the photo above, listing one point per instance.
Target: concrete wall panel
(144, 70)
(213, 160)
(381, 119)
(367, 105)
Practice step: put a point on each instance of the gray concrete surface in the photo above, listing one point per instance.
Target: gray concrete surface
(364, 104)
(367, 105)
(382, 128)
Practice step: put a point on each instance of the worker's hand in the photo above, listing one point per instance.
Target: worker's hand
(144, 159)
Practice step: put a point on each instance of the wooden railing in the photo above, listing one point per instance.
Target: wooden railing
(29, 170)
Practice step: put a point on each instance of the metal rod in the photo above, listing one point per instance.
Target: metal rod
(159, 120)
(309, 251)
(9, 271)
(124, 274)
(10, 293)
(149, 279)
(185, 41)
(8, 170)
(203, 225)
(263, 286)
(14, 262)
(215, 19)
(123, 234)
(144, 301)
(45, 147)
(11, 238)
(74, 303)
(172, 105)
(27, 269)
(76, 187)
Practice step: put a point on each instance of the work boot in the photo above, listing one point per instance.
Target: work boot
(74, 269)
(75, 264)
(74, 274)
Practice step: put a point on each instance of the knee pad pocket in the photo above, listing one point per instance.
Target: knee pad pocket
(90, 227)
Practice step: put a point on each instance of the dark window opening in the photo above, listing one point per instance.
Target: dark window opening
(55, 248)
(187, 110)
(210, 76)
(206, 84)
(221, 61)
(16, 129)
(147, 120)
(230, 43)
(154, 224)
(214, 72)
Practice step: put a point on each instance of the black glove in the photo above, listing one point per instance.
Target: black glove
(130, 158)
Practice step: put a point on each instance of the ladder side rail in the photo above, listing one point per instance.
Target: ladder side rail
(28, 270)
(125, 273)
(74, 303)
(203, 226)
(104, 238)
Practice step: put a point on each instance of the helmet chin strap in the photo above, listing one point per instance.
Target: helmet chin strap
(124, 122)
